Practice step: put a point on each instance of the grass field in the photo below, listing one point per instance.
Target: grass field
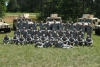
(28, 56)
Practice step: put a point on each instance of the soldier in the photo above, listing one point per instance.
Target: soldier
(42, 41)
(67, 25)
(24, 32)
(71, 40)
(57, 38)
(60, 33)
(65, 40)
(76, 41)
(88, 41)
(29, 39)
(20, 25)
(34, 25)
(48, 44)
(54, 26)
(48, 26)
(80, 41)
(83, 27)
(6, 39)
(54, 34)
(15, 39)
(36, 39)
(51, 38)
(39, 32)
(31, 32)
(71, 26)
(81, 33)
(21, 40)
(75, 33)
(60, 26)
(41, 25)
(26, 24)
(89, 29)
(45, 32)
(58, 44)
(18, 32)
(77, 27)
(67, 33)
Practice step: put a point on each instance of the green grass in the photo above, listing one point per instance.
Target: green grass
(28, 56)
(16, 14)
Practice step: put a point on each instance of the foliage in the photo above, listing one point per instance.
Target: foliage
(2, 8)
(67, 9)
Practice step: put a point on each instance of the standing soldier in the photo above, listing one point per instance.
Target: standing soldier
(48, 26)
(34, 25)
(41, 25)
(24, 32)
(77, 27)
(71, 26)
(83, 27)
(20, 25)
(26, 24)
(60, 26)
(89, 29)
(54, 26)
(67, 25)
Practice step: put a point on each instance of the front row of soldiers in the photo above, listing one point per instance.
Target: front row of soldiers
(43, 41)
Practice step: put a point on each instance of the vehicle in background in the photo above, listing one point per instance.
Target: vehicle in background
(52, 18)
(23, 17)
(88, 18)
(97, 29)
(4, 26)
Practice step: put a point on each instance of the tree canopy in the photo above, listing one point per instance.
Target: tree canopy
(68, 9)
(2, 7)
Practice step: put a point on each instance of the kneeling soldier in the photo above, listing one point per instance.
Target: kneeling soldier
(80, 41)
(6, 39)
(29, 39)
(21, 40)
(72, 40)
(88, 41)
(15, 39)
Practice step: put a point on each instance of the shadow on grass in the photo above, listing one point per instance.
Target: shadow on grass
(96, 34)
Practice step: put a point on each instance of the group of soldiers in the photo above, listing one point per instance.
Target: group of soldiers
(46, 35)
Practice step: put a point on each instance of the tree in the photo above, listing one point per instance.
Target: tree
(2, 8)
(12, 6)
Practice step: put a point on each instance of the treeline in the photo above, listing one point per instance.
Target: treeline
(68, 9)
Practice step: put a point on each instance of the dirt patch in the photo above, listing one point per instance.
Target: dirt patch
(9, 18)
